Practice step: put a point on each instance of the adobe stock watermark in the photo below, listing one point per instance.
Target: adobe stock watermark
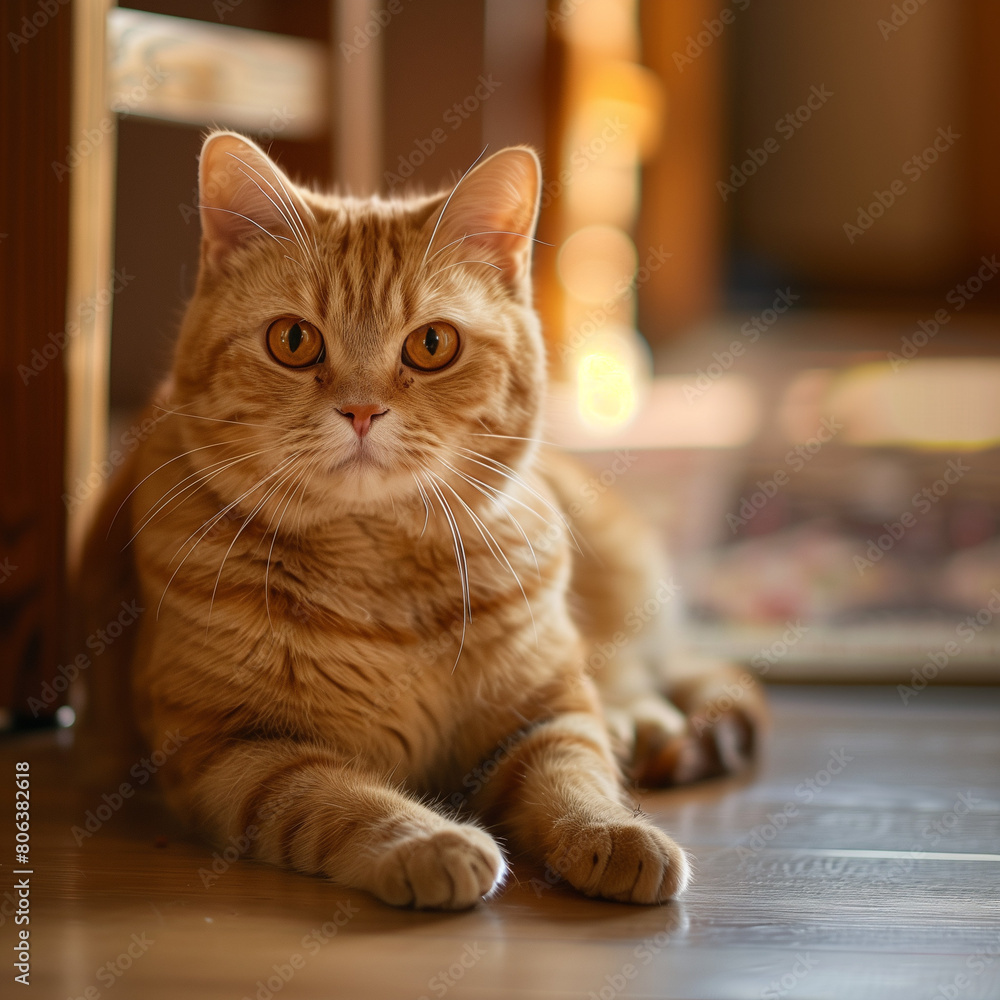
(102, 471)
(635, 620)
(784, 984)
(91, 138)
(734, 692)
(44, 11)
(456, 116)
(312, 943)
(921, 502)
(109, 973)
(565, 8)
(447, 640)
(642, 954)
(977, 964)
(224, 7)
(55, 343)
(899, 15)
(772, 654)
(938, 659)
(365, 34)
(440, 983)
(751, 330)
(795, 460)
(805, 792)
(143, 770)
(786, 127)
(480, 776)
(695, 45)
(241, 844)
(97, 642)
(934, 832)
(7, 569)
(588, 493)
(958, 298)
(598, 316)
(581, 158)
(914, 168)
(555, 870)
(280, 119)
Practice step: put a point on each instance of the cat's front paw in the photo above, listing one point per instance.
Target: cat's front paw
(446, 869)
(628, 860)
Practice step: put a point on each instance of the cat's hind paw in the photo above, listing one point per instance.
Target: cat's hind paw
(724, 717)
(446, 869)
(629, 861)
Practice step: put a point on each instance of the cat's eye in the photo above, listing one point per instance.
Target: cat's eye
(430, 347)
(294, 343)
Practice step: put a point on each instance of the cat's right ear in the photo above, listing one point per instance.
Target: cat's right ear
(242, 194)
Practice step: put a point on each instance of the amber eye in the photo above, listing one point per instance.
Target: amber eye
(431, 347)
(294, 343)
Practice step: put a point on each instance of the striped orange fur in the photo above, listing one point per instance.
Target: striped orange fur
(358, 576)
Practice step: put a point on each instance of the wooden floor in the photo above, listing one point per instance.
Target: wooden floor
(861, 860)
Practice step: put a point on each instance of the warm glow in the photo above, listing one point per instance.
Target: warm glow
(606, 191)
(933, 403)
(600, 26)
(612, 378)
(629, 95)
(606, 391)
(666, 417)
(597, 262)
(805, 403)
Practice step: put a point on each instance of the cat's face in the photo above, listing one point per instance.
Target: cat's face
(356, 348)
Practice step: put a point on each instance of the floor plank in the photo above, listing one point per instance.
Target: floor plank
(860, 859)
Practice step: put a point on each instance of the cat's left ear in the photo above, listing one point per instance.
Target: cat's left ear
(491, 215)
(244, 195)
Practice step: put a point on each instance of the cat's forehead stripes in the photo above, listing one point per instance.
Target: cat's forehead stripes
(365, 275)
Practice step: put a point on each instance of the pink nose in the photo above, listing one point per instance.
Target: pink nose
(362, 415)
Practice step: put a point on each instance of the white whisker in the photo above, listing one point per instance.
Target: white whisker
(277, 239)
(489, 232)
(459, 263)
(444, 207)
(491, 541)
(219, 420)
(211, 523)
(289, 493)
(246, 521)
(316, 465)
(201, 478)
(291, 204)
(297, 233)
(514, 437)
(495, 494)
(423, 498)
(509, 473)
(162, 465)
(463, 568)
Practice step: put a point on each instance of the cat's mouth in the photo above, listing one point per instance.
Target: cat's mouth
(361, 460)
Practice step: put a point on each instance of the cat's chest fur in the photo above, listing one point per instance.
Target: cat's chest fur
(368, 632)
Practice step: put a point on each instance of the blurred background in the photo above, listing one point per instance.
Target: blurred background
(767, 280)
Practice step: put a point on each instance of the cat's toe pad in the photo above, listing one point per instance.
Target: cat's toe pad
(446, 869)
(629, 860)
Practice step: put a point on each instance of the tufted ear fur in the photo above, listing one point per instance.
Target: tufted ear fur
(243, 194)
(491, 215)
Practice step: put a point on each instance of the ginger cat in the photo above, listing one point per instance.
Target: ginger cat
(355, 657)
